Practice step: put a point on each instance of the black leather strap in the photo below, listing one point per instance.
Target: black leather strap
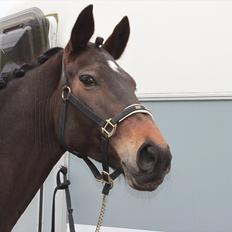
(104, 149)
(128, 111)
(85, 109)
(62, 124)
(63, 186)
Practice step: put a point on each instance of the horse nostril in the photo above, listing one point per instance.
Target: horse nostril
(147, 158)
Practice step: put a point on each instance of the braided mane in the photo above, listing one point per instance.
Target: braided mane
(15, 71)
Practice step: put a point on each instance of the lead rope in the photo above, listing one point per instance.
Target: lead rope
(101, 213)
(106, 180)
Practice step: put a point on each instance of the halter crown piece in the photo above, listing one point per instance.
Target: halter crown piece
(107, 127)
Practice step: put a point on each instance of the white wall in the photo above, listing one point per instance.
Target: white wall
(177, 48)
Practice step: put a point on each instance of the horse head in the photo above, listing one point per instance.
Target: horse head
(137, 147)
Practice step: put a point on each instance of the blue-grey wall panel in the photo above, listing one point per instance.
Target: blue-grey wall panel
(196, 195)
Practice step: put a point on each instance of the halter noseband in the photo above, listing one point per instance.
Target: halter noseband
(107, 128)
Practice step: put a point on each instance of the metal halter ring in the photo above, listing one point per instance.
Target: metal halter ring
(107, 179)
(65, 92)
(109, 128)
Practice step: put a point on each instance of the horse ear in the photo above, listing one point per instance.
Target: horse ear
(82, 30)
(117, 41)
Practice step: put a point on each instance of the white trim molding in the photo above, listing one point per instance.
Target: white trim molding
(185, 96)
(89, 228)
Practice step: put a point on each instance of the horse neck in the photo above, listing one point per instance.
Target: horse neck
(28, 143)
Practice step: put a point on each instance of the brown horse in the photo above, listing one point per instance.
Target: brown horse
(30, 119)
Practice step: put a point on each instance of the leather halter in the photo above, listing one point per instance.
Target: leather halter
(107, 128)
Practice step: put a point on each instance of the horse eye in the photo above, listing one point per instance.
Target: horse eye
(87, 80)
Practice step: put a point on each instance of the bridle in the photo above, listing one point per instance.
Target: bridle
(107, 128)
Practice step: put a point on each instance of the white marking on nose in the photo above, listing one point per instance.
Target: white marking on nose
(113, 65)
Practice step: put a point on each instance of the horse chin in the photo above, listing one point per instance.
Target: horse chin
(133, 183)
(146, 187)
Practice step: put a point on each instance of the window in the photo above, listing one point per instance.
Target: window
(23, 37)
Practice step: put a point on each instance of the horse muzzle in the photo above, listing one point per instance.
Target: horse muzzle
(153, 163)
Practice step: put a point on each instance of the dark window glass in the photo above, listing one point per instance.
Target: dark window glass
(23, 37)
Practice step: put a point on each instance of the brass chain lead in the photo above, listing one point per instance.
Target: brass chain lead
(101, 213)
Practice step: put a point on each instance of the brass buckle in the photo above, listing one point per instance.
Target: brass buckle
(107, 179)
(65, 92)
(109, 128)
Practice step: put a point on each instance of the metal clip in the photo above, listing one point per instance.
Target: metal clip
(107, 179)
(109, 128)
